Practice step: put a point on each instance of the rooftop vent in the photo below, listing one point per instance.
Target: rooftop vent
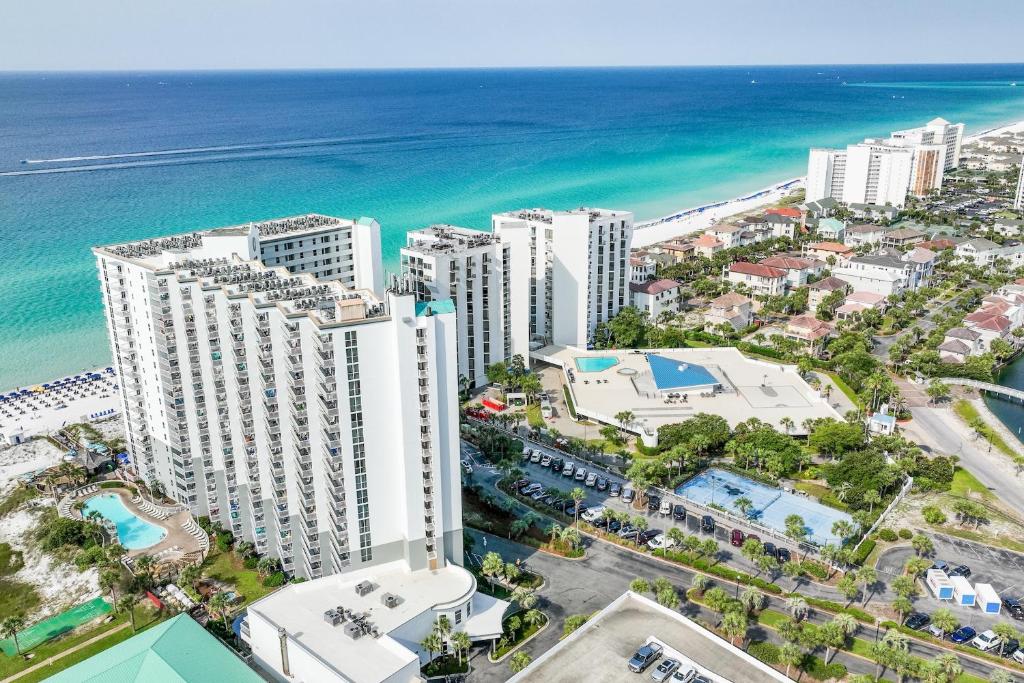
(364, 588)
(389, 600)
(353, 630)
(333, 617)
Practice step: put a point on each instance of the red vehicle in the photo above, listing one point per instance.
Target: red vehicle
(736, 538)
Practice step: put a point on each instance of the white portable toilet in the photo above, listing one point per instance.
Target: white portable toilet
(987, 598)
(963, 593)
(939, 584)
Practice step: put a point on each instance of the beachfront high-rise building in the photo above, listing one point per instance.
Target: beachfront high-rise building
(570, 269)
(316, 420)
(884, 171)
(1019, 202)
(474, 269)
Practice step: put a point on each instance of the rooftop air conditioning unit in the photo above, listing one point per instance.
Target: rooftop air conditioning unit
(364, 588)
(389, 600)
(353, 631)
(332, 617)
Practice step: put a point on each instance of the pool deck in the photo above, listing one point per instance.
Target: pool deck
(752, 388)
(175, 544)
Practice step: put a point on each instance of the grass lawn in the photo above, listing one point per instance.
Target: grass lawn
(17, 597)
(15, 499)
(821, 492)
(964, 484)
(771, 618)
(145, 617)
(843, 386)
(228, 567)
(969, 414)
(533, 416)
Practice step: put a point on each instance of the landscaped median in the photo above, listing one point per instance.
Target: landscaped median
(517, 630)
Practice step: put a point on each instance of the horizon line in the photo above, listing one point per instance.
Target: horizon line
(579, 67)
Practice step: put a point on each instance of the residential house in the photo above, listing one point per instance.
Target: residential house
(787, 211)
(888, 272)
(822, 208)
(831, 230)
(985, 252)
(707, 245)
(759, 279)
(677, 251)
(941, 243)
(817, 291)
(960, 343)
(808, 330)
(873, 211)
(782, 225)
(731, 309)
(902, 238)
(798, 270)
(642, 268)
(991, 326)
(863, 234)
(1008, 227)
(729, 235)
(858, 302)
(823, 250)
(654, 297)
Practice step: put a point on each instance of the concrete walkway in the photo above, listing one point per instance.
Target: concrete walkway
(50, 660)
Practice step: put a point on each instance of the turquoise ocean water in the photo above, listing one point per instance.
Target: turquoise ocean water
(125, 156)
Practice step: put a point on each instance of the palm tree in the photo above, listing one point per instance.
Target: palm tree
(842, 491)
(791, 655)
(109, 580)
(533, 617)
(743, 504)
(431, 643)
(492, 566)
(699, 583)
(752, 599)
(126, 605)
(219, 604)
(866, 576)
(949, 665)
(577, 495)
(734, 625)
(461, 643)
(797, 607)
(871, 497)
(787, 423)
(944, 620)
(10, 627)
(519, 661)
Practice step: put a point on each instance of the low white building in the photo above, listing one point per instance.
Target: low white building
(642, 269)
(888, 272)
(985, 253)
(367, 625)
(656, 296)
(864, 234)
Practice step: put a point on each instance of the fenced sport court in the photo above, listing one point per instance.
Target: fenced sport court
(771, 505)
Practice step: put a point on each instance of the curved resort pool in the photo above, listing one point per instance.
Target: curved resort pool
(595, 363)
(133, 532)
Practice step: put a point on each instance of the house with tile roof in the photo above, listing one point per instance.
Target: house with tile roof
(823, 250)
(654, 297)
(798, 270)
(809, 331)
(902, 238)
(731, 309)
(707, 245)
(759, 279)
(863, 234)
(818, 290)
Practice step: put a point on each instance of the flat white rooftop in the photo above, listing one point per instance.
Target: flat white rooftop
(300, 609)
(598, 651)
(628, 380)
(546, 215)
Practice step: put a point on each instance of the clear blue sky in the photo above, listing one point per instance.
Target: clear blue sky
(253, 34)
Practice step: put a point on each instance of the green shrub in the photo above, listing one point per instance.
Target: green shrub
(933, 515)
(815, 569)
(251, 562)
(863, 551)
(766, 652)
(906, 534)
(887, 535)
(274, 580)
(817, 669)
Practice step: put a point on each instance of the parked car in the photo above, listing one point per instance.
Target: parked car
(614, 525)
(644, 657)
(601, 522)
(531, 489)
(615, 489)
(941, 565)
(678, 512)
(782, 555)
(520, 484)
(963, 570)
(557, 464)
(545, 460)
(1014, 607)
(591, 480)
(568, 470)
(547, 499)
(665, 508)
(593, 513)
(964, 634)
(684, 674)
(1018, 656)
(653, 503)
(535, 456)
(627, 495)
(467, 467)
(986, 640)
(769, 548)
(527, 453)
(1010, 646)
(539, 494)
(935, 631)
(664, 669)
(917, 621)
(581, 474)
(707, 524)
(736, 538)
(647, 534)
(602, 484)
(627, 531)
(660, 542)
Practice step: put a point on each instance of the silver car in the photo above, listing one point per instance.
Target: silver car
(664, 669)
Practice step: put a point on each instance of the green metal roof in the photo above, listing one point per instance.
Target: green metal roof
(435, 307)
(176, 651)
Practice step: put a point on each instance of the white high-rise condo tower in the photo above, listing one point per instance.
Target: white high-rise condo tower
(1019, 202)
(885, 171)
(570, 269)
(317, 420)
(474, 269)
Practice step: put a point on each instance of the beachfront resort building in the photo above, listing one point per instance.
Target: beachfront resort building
(570, 269)
(1018, 203)
(473, 268)
(884, 171)
(315, 420)
(366, 625)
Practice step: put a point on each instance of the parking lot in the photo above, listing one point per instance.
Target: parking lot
(1003, 569)
(548, 478)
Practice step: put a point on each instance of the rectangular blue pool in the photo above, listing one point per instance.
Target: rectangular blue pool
(771, 505)
(595, 363)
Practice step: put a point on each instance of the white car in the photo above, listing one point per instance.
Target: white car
(591, 479)
(535, 456)
(986, 641)
(568, 470)
(592, 513)
(581, 474)
(1018, 656)
(666, 507)
(660, 542)
(545, 461)
(684, 674)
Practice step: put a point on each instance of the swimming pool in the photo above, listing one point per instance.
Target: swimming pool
(669, 373)
(771, 505)
(595, 363)
(133, 532)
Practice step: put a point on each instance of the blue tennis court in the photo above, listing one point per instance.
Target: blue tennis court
(771, 505)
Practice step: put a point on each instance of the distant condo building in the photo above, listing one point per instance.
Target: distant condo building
(317, 420)
(1019, 202)
(570, 269)
(885, 171)
(474, 269)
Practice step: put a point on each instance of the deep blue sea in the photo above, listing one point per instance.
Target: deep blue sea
(407, 147)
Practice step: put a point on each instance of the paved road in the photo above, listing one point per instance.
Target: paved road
(937, 427)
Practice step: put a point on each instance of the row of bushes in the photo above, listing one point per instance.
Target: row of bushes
(813, 666)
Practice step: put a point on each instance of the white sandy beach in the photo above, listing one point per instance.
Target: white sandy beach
(48, 408)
